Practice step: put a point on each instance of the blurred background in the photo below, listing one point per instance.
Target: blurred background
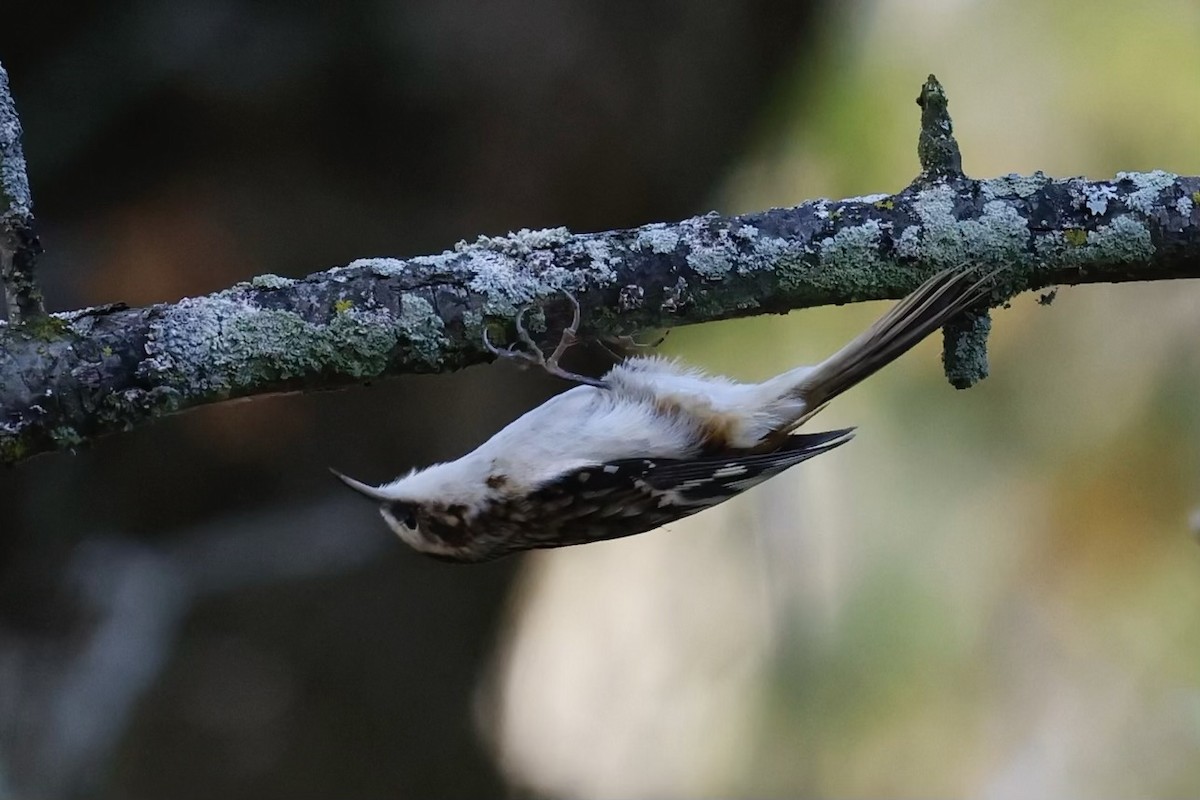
(992, 593)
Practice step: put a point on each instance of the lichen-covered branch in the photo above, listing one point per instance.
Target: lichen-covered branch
(98, 371)
(19, 246)
(102, 370)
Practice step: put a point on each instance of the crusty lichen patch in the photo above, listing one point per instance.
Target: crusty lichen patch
(1013, 185)
(851, 254)
(522, 243)
(657, 238)
(419, 325)
(1095, 197)
(224, 345)
(1147, 188)
(964, 349)
(270, 281)
(1123, 241)
(507, 285)
(999, 237)
(711, 253)
(516, 270)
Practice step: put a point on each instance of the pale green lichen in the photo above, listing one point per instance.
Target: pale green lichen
(773, 252)
(964, 351)
(849, 262)
(998, 237)
(66, 437)
(224, 345)
(740, 250)
(711, 253)
(656, 238)
(1148, 187)
(514, 271)
(853, 251)
(1013, 185)
(908, 243)
(269, 281)
(522, 243)
(1184, 205)
(603, 261)
(508, 286)
(388, 267)
(712, 261)
(423, 329)
(1095, 197)
(1123, 241)
(472, 321)
(868, 199)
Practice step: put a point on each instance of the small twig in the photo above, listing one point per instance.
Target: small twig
(964, 341)
(936, 147)
(19, 246)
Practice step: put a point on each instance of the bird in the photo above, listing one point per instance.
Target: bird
(650, 442)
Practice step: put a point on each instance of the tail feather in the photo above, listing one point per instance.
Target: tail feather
(929, 307)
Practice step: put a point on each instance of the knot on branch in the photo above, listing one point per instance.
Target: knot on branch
(936, 148)
(964, 348)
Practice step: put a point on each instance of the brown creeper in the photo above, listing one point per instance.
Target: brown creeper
(650, 442)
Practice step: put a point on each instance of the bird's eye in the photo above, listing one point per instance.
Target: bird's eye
(403, 514)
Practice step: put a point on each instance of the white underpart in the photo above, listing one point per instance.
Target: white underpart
(652, 408)
(751, 410)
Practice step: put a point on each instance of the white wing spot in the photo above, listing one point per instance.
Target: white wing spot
(730, 471)
(610, 469)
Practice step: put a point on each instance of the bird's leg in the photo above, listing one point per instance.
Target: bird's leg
(621, 347)
(535, 356)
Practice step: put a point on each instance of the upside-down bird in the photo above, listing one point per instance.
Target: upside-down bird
(648, 443)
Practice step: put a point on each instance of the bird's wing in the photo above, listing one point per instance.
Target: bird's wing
(621, 498)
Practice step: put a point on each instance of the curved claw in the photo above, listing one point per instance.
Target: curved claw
(570, 336)
(491, 348)
(510, 353)
(526, 339)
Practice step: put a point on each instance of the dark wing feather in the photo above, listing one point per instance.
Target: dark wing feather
(630, 496)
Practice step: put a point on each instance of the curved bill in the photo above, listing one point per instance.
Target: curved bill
(360, 487)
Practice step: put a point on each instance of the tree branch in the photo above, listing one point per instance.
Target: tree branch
(98, 371)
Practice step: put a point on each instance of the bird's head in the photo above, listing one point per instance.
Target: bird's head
(434, 528)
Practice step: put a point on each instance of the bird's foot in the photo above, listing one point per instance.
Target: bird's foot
(533, 355)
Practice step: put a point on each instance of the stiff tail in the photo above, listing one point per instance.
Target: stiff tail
(930, 306)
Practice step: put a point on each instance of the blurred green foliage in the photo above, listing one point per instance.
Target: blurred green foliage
(1000, 592)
